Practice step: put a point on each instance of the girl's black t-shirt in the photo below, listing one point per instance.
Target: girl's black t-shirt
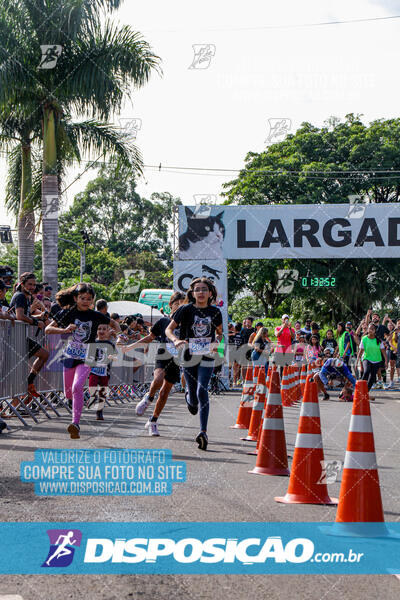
(87, 322)
(197, 327)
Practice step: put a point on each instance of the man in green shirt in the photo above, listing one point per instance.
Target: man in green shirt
(373, 352)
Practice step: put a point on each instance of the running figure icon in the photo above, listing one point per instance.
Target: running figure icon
(62, 549)
(63, 543)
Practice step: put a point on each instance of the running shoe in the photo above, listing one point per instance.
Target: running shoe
(73, 431)
(202, 440)
(2, 426)
(152, 427)
(389, 385)
(326, 396)
(141, 407)
(192, 409)
(99, 415)
(32, 391)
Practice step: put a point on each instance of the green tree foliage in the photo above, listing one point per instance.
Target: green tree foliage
(323, 165)
(246, 306)
(126, 231)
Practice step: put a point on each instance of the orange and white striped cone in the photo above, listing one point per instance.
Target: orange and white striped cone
(285, 386)
(246, 402)
(303, 377)
(272, 455)
(360, 498)
(268, 378)
(268, 383)
(256, 370)
(292, 385)
(297, 392)
(304, 484)
(258, 407)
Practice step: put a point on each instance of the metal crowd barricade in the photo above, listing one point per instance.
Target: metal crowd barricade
(15, 366)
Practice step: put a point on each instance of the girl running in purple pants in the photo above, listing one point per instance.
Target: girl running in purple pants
(81, 322)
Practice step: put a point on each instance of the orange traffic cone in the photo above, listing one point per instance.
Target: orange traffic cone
(285, 386)
(303, 377)
(360, 495)
(268, 378)
(246, 405)
(258, 407)
(268, 383)
(304, 486)
(292, 385)
(272, 455)
(296, 393)
(256, 370)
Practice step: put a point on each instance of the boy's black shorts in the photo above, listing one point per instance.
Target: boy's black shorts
(33, 347)
(172, 372)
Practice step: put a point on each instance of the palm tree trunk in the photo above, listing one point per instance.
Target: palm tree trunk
(26, 217)
(50, 200)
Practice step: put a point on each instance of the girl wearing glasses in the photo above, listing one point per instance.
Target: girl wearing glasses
(200, 332)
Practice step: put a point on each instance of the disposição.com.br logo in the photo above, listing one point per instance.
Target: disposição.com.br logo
(62, 547)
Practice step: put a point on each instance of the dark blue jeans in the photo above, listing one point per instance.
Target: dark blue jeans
(197, 380)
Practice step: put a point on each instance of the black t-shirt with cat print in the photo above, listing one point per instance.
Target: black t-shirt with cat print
(197, 327)
(87, 322)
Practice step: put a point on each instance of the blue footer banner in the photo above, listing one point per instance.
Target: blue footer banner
(201, 548)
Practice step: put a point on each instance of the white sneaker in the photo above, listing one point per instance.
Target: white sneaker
(142, 405)
(152, 427)
(389, 385)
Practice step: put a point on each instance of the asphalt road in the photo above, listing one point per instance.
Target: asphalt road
(218, 488)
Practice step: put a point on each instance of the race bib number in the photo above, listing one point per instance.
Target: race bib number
(298, 357)
(171, 349)
(100, 370)
(76, 350)
(199, 346)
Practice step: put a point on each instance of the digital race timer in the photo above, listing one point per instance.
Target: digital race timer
(318, 281)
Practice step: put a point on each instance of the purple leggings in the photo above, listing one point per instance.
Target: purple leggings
(74, 382)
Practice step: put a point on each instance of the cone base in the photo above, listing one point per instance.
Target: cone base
(270, 471)
(249, 438)
(253, 453)
(300, 499)
(238, 427)
(361, 530)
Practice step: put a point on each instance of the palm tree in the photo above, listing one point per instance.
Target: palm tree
(19, 130)
(76, 139)
(94, 69)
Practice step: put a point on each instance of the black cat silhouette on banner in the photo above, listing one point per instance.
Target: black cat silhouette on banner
(289, 231)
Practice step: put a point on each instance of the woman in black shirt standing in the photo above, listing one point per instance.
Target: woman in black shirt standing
(200, 332)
